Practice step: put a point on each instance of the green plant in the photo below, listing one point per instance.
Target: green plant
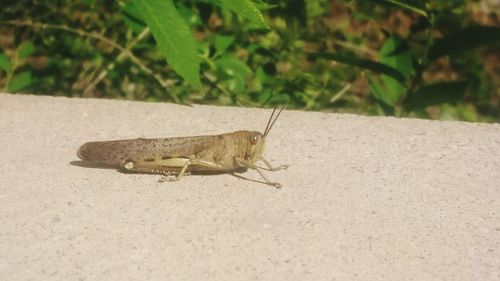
(17, 80)
(402, 58)
(399, 87)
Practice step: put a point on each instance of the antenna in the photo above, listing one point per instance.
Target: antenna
(271, 122)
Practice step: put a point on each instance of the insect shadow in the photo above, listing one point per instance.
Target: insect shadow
(93, 165)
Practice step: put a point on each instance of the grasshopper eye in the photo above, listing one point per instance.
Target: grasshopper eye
(254, 138)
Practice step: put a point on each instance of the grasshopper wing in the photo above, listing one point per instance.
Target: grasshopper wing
(119, 151)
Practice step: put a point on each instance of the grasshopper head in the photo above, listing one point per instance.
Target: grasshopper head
(256, 148)
(255, 141)
(258, 140)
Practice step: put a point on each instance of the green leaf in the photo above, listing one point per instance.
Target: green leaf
(132, 17)
(222, 43)
(395, 53)
(316, 8)
(174, 39)
(378, 93)
(465, 39)
(391, 55)
(233, 66)
(5, 63)
(189, 14)
(435, 94)
(19, 81)
(26, 49)
(364, 63)
(247, 10)
(233, 72)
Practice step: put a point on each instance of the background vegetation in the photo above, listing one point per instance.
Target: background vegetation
(430, 59)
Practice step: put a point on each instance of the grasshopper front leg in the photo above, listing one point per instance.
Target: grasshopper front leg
(271, 168)
(247, 164)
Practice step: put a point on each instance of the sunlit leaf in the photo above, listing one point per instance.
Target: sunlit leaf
(395, 53)
(5, 63)
(173, 36)
(233, 66)
(132, 17)
(19, 81)
(26, 49)
(316, 8)
(188, 14)
(392, 56)
(236, 72)
(247, 10)
(379, 94)
(222, 43)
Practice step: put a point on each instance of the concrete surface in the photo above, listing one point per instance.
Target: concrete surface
(365, 198)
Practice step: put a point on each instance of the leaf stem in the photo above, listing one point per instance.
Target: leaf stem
(423, 61)
(409, 7)
(10, 73)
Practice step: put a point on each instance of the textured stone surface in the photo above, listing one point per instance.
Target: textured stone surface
(365, 198)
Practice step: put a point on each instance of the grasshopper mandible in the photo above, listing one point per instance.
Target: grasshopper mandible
(180, 156)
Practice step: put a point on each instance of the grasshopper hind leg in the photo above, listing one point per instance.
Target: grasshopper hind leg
(173, 169)
(168, 174)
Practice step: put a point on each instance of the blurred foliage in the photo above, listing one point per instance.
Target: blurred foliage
(430, 59)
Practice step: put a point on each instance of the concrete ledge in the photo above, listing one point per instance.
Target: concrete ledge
(365, 198)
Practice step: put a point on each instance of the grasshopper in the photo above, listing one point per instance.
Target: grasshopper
(180, 156)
